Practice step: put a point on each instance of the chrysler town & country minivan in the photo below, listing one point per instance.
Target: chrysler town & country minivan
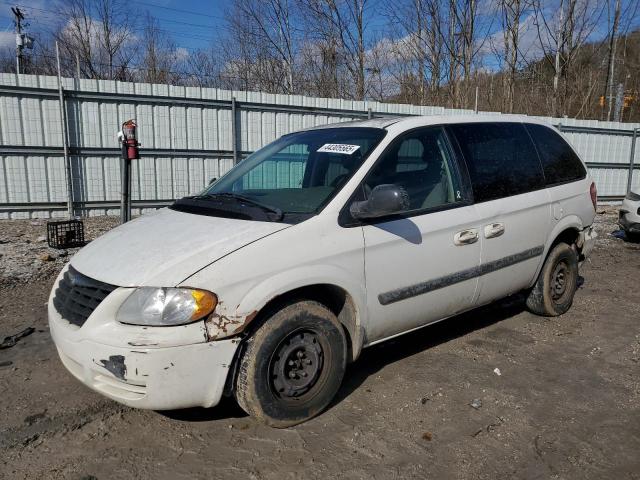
(267, 283)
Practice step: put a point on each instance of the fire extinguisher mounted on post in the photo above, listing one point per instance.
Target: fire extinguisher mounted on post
(130, 140)
(129, 143)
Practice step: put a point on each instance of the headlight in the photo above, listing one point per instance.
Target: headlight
(166, 306)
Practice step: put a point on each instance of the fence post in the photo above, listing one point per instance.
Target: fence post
(125, 199)
(632, 158)
(65, 137)
(369, 113)
(234, 130)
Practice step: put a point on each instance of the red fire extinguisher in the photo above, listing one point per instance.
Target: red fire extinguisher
(130, 141)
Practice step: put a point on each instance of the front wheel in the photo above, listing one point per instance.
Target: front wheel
(292, 365)
(552, 295)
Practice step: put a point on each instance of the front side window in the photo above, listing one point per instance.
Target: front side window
(501, 159)
(292, 177)
(420, 162)
(559, 161)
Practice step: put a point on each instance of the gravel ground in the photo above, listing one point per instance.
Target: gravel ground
(25, 255)
(430, 404)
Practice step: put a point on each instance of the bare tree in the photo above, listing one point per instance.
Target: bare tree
(611, 61)
(204, 68)
(116, 28)
(562, 32)
(418, 53)
(343, 23)
(511, 12)
(267, 31)
(159, 55)
(100, 33)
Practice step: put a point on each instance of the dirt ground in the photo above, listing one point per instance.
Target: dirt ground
(565, 405)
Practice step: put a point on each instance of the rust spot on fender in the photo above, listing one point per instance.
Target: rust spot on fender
(220, 325)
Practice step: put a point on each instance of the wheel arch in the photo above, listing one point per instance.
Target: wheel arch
(337, 299)
(568, 230)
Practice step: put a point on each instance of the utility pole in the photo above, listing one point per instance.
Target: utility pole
(609, 96)
(18, 18)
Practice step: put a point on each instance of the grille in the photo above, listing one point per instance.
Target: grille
(77, 296)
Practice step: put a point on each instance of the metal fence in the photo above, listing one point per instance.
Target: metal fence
(190, 135)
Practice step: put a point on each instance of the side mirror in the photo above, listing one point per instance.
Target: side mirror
(212, 180)
(384, 200)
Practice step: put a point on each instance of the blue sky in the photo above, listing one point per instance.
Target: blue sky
(190, 22)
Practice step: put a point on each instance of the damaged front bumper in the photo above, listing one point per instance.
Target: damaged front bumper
(159, 368)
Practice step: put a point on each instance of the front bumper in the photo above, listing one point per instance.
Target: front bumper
(143, 367)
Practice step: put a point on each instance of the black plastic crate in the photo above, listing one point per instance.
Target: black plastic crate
(65, 234)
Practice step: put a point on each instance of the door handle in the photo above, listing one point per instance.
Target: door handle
(466, 237)
(493, 230)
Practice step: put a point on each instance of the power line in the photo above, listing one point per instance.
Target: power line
(55, 15)
(179, 10)
(51, 16)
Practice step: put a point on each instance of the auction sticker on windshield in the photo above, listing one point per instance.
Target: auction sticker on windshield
(338, 148)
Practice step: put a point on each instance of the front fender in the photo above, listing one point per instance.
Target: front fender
(228, 320)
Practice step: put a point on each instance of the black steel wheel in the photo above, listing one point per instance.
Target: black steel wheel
(553, 292)
(292, 365)
(296, 365)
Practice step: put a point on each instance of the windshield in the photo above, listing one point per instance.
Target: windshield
(298, 173)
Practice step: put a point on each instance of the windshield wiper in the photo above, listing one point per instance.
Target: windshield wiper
(241, 198)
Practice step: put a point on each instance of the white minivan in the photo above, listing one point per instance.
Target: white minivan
(265, 285)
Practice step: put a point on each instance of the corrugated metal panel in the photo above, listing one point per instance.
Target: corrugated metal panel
(192, 122)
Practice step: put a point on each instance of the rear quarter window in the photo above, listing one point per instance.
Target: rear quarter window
(501, 159)
(559, 162)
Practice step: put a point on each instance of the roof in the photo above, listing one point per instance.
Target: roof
(412, 121)
(381, 122)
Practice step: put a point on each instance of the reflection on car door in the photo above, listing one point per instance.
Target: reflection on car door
(512, 204)
(420, 266)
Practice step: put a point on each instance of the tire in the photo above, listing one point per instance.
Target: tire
(553, 293)
(292, 365)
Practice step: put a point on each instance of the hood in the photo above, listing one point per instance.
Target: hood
(165, 248)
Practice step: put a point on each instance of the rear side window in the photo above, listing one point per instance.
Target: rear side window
(501, 159)
(559, 162)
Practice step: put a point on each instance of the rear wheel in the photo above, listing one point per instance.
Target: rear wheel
(292, 365)
(553, 293)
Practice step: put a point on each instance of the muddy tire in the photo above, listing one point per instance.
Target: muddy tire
(292, 365)
(552, 295)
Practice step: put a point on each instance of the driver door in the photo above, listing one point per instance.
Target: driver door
(423, 264)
